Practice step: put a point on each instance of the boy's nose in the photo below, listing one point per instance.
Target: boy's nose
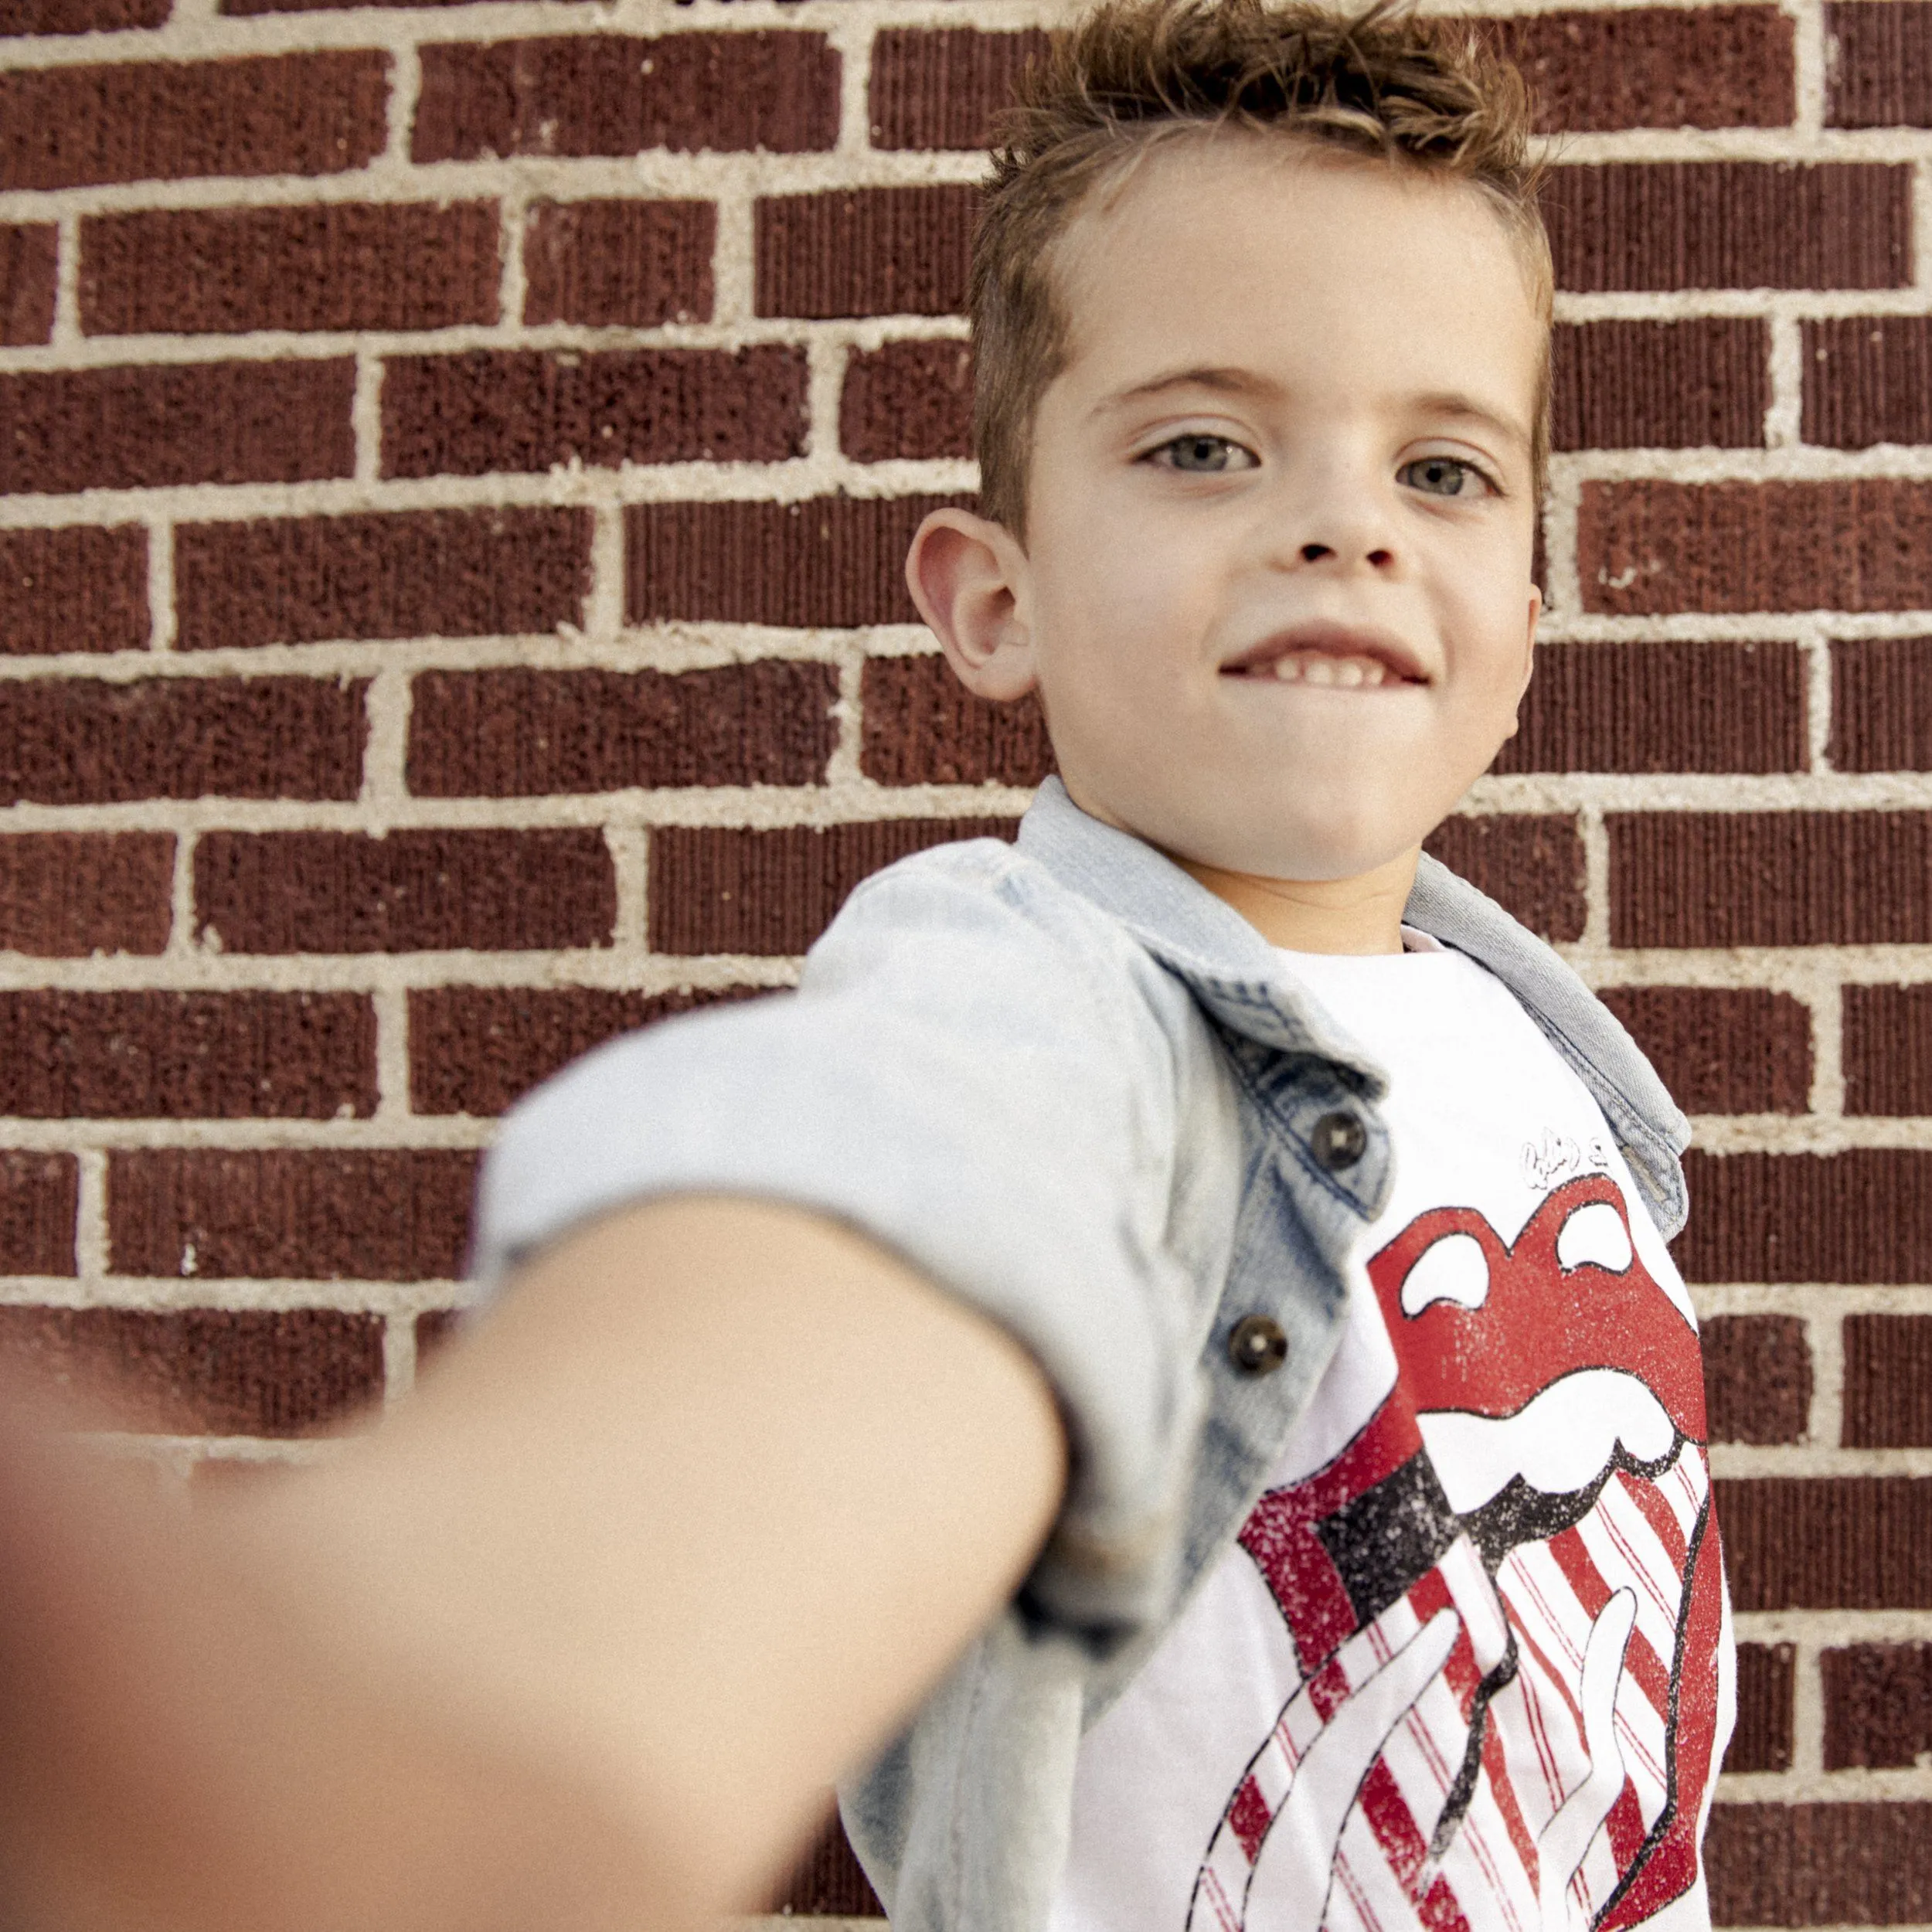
(1375, 555)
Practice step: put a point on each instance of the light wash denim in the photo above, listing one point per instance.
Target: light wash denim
(1068, 1083)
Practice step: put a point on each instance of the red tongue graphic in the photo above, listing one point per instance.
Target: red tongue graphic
(1539, 1321)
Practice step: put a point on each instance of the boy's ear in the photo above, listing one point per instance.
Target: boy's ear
(969, 578)
(1529, 654)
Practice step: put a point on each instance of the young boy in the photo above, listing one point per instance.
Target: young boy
(1163, 1351)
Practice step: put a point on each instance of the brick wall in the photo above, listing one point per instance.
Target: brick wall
(453, 467)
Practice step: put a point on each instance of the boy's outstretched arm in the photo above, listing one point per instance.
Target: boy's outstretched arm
(670, 1541)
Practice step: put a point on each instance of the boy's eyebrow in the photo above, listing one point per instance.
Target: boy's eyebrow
(1466, 408)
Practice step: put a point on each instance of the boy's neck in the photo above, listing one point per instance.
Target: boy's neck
(1359, 915)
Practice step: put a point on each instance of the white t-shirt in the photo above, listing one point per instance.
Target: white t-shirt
(1469, 1665)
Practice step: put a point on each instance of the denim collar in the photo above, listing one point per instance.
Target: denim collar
(1241, 980)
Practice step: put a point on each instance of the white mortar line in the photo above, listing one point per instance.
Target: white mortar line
(512, 284)
(1783, 409)
(1826, 1336)
(404, 88)
(1826, 1002)
(182, 946)
(844, 766)
(1595, 844)
(1811, 57)
(366, 417)
(66, 336)
(1828, 1628)
(399, 1357)
(1807, 1712)
(603, 601)
(91, 1257)
(1818, 702)
(166, 1294)
(629, 846)
(1808, 1300)
(825, 388)
(391, 1005)
(1734, 1462)
(851, 33)
(161, 584)
(734, 263)
(386, 753)
(1921, 264)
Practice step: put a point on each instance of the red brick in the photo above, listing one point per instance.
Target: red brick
(1878, 1706)
(1878, 64)
(609, 94)
(326, 892)
(912, 399)
(1828, 1542)
(134, 428)
(634, 264)
(342, 265)
(1881, 704)
(1762, 1740)
(1533, 867)
(1662, 706)
(517, 734)
(84, 741)
(204, 1372)
(39, 1197)
(1888, 1050)
(65, 894)
(1648, 548)
(76, 588)
(1708, 67)
(1757, 1378)
(866, 251)
(191, 1055)
(300, 113)
(1730, 224)
(1863, 1215)
(1855, 1864)
(941, 89)
(832, 560)
(435, 1327)
(1865, 377)
(716, 890)
(1888, 1381)
(1722, 1049)
(453, 574)
(827, 1882)
(387, 1215)
(1660, 385)
(922, 726)
(1770, 879)
(28, 257)
(83, 16)
(478, 1049)
(496, 409)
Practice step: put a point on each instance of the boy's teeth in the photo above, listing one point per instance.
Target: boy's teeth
(1310, 666)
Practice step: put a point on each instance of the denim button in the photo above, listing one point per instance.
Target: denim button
(1257, 1347)
(1338, 1140)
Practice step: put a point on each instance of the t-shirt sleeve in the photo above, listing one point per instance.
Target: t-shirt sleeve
(974, 1072)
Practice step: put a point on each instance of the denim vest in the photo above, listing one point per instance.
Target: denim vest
(1068, 1083)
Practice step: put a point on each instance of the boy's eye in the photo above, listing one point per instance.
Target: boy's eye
(1204, 455)
(1443, 476)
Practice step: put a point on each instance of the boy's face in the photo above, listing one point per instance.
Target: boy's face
(1275, 592)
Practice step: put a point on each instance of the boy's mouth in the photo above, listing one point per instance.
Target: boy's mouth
(1328, 655)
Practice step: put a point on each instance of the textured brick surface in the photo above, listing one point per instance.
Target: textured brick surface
(519, 409)
(1757, 1378)
(128, 427)
(1877, 1704)
(1881, 704)
(1887, 1381)
(83, 16)
(1647, 548)
(522, 734)
(433, 573)
(614, 95)
(478, 1049)
(298, 113)
(911, 399)
(828, 560)
(633, 262)
(1865, 380)
(727, 891)
(1722, 1049)
(923, 727)
(1713, 67)
(1659, 385)
(1888, 1049)
(1729, 224)
(1827, 1543)
(1880, 72)
(87, 742)
(206, 1055)
(1864, 1215)
(28, 255)
(1761, 1740)
(1662, 707)
(77, 588)
(341, 266)
(1532, 866)
(389, 1214)
(320, 891)
(1820, 1864)
(941, 89)
(872, 251)
(214, 1372)
(39, 1195)
(68, 893)
(1770, 879)
(827, 1882)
